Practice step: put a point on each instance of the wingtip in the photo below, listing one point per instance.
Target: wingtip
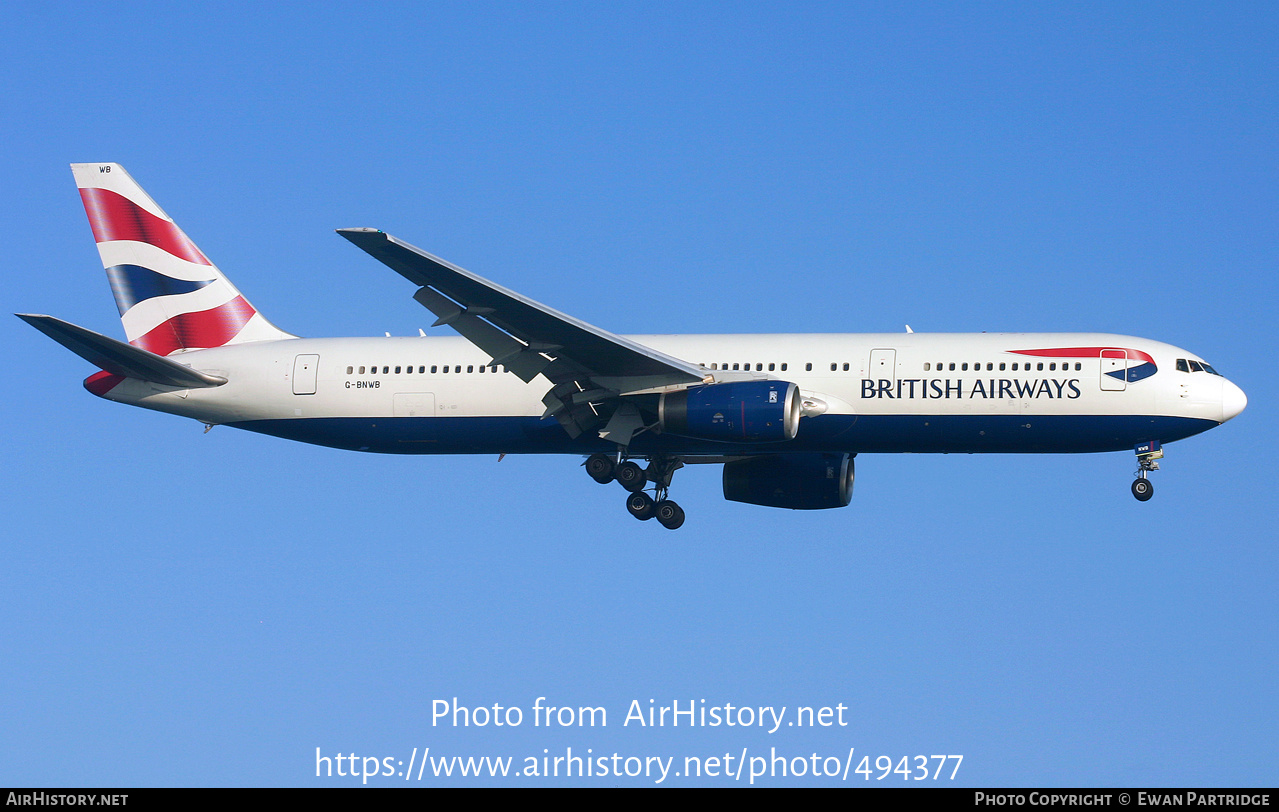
(363, 237)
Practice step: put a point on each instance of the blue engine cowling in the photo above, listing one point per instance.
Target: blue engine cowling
(795, 481)
(743, 411)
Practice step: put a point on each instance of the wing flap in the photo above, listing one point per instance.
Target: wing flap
(500, 345)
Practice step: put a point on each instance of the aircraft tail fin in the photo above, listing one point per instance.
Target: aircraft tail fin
(170, 296)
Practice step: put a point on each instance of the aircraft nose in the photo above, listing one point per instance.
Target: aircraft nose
(1233, 400)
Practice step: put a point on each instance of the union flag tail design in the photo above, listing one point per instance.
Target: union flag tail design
(171, 297)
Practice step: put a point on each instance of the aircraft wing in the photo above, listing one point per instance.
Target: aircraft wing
(525, 336)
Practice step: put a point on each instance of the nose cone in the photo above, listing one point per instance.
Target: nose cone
(1233, 400)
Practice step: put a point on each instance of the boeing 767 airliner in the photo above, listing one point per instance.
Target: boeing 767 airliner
(784, 414)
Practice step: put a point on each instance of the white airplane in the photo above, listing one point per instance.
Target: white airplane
(784, 414)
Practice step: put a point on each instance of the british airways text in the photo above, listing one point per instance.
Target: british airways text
(944, 388)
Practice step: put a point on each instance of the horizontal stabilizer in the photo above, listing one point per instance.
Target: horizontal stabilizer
(118, 357)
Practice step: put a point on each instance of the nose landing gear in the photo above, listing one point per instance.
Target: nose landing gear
(1142, 488)
(603, 469)
(1148, 455)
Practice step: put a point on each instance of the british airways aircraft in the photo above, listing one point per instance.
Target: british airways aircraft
(784, 414)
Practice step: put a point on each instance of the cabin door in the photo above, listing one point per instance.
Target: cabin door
(883, 365)
(304, 372)
(1114, 370)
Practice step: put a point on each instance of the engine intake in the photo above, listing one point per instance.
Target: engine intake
(795, 481)
(740, 411)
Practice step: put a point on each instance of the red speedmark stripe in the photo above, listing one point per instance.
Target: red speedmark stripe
(200, 330)
(1083, 352)
(115, 217)
(99, 383)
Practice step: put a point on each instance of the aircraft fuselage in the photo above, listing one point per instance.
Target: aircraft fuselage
(898, 392)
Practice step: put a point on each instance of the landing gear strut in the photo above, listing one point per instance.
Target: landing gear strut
(603, 469)
(1148, 455)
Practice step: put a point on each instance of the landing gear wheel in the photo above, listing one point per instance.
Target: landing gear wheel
(630, 476)
(670, 514)
(1142, 489)
(641, 506)
(600, 468)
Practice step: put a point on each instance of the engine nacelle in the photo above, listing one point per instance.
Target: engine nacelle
(740, 411)
(795, 481)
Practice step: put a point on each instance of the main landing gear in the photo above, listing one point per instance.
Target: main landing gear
(604, 469)
(1148, 455)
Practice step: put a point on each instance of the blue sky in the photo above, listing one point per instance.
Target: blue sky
(190, 609)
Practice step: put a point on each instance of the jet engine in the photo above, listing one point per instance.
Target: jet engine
(740, 411)
(796, 481)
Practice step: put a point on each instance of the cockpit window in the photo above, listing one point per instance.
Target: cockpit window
(1195, 367)
(1182, 366)
(1211, 371)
